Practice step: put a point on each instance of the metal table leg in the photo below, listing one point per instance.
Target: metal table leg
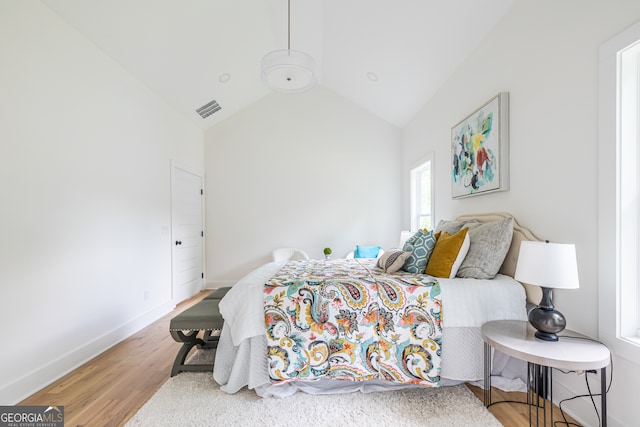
(603, 395)
(487, 375)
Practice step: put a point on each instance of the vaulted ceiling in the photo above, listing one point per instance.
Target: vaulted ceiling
(388, 57)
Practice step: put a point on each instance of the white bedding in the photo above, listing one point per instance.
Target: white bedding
(467, 304)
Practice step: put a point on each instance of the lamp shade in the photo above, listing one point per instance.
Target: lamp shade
(288, 71)
(550, 265)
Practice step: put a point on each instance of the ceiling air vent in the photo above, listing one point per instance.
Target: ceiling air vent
(208, 109)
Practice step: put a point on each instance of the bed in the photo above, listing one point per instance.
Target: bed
(340, 326)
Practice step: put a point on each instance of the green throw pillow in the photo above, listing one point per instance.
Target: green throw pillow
(420, 245)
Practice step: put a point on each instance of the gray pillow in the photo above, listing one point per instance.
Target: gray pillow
(452, 227)
(489, 244)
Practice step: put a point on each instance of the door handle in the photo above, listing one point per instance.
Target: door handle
(178, 242)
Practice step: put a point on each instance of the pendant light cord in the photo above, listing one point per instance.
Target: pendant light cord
(288, 24)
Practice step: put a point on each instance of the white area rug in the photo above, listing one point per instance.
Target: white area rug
(194, 399)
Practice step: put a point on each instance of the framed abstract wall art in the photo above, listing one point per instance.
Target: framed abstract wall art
(480, 150)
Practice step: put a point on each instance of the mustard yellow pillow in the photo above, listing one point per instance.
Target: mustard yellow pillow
(448, 254)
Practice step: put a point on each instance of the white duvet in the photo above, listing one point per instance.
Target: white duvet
(467, 304)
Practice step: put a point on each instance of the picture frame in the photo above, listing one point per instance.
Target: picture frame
(480, 150)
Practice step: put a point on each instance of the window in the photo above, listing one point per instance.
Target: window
(628, 187)
(422, 194)
(619, 193)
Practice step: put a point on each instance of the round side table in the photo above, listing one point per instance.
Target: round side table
(573, 351)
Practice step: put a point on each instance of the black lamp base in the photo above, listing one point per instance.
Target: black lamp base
(546, 336)
(547, 321)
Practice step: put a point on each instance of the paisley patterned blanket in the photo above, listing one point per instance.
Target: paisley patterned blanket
(346, 319)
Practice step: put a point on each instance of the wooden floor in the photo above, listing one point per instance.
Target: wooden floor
(512, 414)
(109, 389)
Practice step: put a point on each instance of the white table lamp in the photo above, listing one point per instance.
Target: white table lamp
(550, 266)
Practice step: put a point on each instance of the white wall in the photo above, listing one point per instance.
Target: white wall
(545, 54)
(306, 170)
(85, 199)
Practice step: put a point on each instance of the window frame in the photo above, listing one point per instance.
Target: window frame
(414, 186)
(613, 274)
(629, 203)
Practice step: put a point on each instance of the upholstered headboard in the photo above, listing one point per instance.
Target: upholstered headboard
(534, 293)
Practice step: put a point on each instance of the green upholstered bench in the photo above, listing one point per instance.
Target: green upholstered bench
(185, 327)
(218, 293)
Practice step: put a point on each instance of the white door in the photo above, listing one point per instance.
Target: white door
(187, 233)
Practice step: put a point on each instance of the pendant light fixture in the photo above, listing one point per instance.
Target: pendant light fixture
(287, 70)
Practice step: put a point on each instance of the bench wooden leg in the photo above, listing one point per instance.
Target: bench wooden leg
(189, 341)
(210, 341)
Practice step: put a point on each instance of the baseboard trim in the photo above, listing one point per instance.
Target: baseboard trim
(30, 383)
